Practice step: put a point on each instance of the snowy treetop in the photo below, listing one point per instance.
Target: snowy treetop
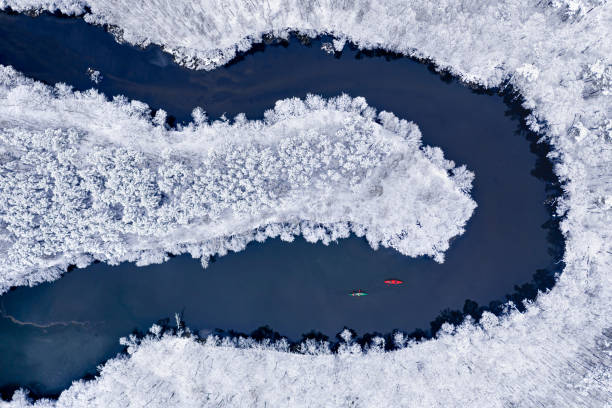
(84, 178)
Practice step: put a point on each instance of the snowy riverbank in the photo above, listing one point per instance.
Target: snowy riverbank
(84, 178)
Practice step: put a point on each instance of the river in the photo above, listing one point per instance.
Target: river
(57, 332)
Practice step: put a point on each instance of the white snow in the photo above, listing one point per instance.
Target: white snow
(556, 354)
(497, 365)
(328, 47)
(94, 75)
(83, 178)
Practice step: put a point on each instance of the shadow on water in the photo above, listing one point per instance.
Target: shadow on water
(57, 332)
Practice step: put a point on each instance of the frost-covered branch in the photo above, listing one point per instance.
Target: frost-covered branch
(83, 178)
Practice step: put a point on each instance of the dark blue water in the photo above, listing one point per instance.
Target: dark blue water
(57, 332)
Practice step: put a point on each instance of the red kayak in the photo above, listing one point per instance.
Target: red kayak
(393, 282)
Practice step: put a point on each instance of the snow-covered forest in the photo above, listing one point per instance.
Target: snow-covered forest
(479, 40)
(502, 363)
(557, 55)
(84, 178)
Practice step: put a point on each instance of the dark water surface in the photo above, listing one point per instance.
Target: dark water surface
(57, 332)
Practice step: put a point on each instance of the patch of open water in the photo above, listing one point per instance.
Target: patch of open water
(57, 332)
